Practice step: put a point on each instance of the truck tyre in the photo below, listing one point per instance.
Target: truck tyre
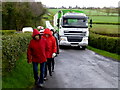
(83, 47)
(60, 46)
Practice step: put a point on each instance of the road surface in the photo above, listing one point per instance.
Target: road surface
(83, 69)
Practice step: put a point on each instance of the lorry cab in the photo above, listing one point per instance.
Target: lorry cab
(74, 20)
(73, 29)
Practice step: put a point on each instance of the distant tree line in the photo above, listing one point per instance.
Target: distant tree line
(108, 10)
(16, 15)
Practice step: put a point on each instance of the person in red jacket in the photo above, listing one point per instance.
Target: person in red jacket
(52, 52)
(36, 54)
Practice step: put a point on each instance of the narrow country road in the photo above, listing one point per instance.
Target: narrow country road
(83, 69)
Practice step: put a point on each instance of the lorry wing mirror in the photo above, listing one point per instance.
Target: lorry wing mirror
(91, 23)
(57, 22)
(57, 25)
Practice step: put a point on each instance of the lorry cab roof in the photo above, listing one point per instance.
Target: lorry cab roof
(74, 15)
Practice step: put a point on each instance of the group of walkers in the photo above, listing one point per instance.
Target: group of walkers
(41, 50)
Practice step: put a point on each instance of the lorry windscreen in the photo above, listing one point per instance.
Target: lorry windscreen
(75, 22)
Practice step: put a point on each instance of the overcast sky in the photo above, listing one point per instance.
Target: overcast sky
(80, 3)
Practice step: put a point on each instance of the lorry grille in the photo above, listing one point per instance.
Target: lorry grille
(75, 33)
(74, 39)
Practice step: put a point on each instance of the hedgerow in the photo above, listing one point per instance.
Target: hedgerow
(106, 43)
(111, 23)
(12, 48)
(107, 34)
(8, 32)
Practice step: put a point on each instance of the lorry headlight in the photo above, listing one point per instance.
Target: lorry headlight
(85, 40)
(63, 39)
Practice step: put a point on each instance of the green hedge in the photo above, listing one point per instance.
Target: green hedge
(106, 43)
(107, 34)
(12, 48)
(111, 23)
(8, 32)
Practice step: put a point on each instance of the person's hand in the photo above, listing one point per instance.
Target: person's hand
(29, 62)
(53, 55)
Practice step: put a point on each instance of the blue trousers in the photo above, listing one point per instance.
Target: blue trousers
(42, 71)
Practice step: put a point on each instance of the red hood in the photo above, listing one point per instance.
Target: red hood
(35, 32)
(47, 31)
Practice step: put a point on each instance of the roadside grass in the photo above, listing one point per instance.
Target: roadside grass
(21, 76)
(105, 29)
(105, 53)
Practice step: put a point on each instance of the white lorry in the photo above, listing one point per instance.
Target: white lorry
(72, 28)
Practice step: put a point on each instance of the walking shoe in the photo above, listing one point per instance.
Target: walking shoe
(40, 85)
(36, 82)
(45, 79)
(50, 74)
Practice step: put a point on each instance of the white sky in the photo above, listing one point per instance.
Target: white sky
(80, 3)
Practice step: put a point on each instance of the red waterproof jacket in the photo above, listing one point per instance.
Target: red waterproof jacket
(37, 49)
(51, 42)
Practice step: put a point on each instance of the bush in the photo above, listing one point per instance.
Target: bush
(21, 73)
(8, 32)
(12, 48)
(27, 32)
(106, 43)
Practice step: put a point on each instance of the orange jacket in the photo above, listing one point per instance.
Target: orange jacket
(37, 49)
(51, 43)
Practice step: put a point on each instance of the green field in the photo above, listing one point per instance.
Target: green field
(106, 19)
(53, 11)
(99, 28)
(105, 29)
(87, 12)
(97, 12)
(96, 16)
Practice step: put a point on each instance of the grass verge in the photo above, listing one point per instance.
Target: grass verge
(21, 76)
(105, 53)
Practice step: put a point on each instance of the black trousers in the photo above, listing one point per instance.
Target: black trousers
(53, 63)
(48, 67)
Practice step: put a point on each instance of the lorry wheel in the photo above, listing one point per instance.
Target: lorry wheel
(83, 47)
(60, 46)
